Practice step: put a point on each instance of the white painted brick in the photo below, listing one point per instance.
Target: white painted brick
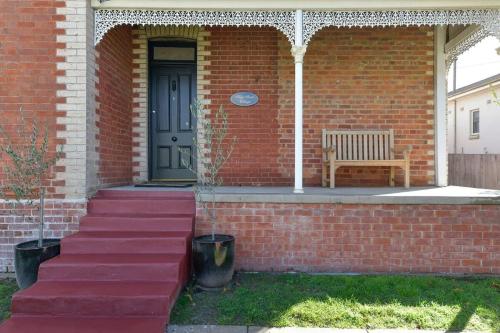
(64, 79)
(65, 52)
(65, 93)
(65, 11)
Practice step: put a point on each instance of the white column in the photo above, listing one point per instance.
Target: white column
(298, 51)
(440, 106)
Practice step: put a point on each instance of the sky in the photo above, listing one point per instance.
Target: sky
(478, 63)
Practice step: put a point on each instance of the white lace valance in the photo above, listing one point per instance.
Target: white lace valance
(464, 45)
(315, 20)
(106, 19)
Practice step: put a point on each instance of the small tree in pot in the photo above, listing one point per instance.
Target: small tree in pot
(27, 164)
(213, 255)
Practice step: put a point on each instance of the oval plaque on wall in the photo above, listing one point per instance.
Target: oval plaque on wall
(244, 98)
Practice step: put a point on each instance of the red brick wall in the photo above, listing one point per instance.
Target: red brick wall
(28, 67)
(245, 59)
(362, 238)
(28, 79)
(115, 107)
(18, 224)
(371, 78)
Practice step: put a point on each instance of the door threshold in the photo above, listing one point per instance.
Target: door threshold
(166, 184)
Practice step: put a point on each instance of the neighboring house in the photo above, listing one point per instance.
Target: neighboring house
(474, 117)
(114, 79)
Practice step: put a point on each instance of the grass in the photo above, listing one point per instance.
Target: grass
(7, 288)
(412, 302)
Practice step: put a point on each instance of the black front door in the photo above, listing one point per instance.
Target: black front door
(173, 90)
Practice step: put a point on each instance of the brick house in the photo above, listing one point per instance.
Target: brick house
(99, 73)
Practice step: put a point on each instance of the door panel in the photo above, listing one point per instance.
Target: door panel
(172, 124)
(163, 108)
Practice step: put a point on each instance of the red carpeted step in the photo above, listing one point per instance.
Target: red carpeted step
(145, 207)
(30, 324)
(96, 298)
(114, 267)
(136, 223)
(126, 242)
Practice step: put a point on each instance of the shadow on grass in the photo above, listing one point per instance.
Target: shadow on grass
(348, 302)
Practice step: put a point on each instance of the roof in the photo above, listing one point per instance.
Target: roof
(474, 86)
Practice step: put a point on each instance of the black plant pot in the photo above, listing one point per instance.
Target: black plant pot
(28, 257)
(213, 260)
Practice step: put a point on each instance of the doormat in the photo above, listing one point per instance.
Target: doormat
(165, 184)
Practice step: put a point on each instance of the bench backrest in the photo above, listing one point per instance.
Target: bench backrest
(359, 145)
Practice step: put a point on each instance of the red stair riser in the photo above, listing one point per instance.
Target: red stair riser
(112, 272)
(92, 306)
(29, 324)
(144, 206)
(120, 245)
(100, 223)
(177, 195)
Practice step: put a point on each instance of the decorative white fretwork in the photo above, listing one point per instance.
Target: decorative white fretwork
(313, 21)
(464, 45)
(106, 19)
(317, 20)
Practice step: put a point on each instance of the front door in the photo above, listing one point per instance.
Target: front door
(173, 90)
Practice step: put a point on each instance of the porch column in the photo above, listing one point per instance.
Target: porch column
(440, 106)
(298, 51)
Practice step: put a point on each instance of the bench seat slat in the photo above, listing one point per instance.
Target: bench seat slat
(370, 163)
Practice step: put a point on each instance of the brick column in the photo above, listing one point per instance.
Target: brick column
(76, 104)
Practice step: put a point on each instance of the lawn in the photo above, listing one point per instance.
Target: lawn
(7, 288)
(282, 300)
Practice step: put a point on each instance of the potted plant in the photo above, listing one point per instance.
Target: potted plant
(27, 164)
(213, 254)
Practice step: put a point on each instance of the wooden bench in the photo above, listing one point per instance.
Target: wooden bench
(361, 148)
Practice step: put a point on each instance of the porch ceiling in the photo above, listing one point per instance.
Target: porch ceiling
(297, 4)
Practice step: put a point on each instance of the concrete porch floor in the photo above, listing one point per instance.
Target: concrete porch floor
(449, 195)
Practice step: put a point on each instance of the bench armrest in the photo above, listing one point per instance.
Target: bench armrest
(407, 151)
(330, 152)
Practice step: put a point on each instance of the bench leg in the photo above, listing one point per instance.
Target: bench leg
(324, 175)
(407, 174)
(332, 175)
(392, 175)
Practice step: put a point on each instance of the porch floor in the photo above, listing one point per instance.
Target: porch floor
(448, 195)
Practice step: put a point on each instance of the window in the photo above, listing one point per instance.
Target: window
(174, 53)
(474, 123)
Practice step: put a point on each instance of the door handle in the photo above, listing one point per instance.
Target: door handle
(174, 138)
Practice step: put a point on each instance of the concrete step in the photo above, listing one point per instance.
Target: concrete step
(50, 324)
(186, 194)
(96, 298)
(136, 223)
(144, 207)
(173, 242)
(114, 267)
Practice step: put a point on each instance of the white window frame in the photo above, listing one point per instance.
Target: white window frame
(474, 135)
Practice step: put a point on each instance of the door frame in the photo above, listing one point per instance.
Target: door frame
(157, 64)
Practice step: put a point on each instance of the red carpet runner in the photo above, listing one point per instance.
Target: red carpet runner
(120, 274)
